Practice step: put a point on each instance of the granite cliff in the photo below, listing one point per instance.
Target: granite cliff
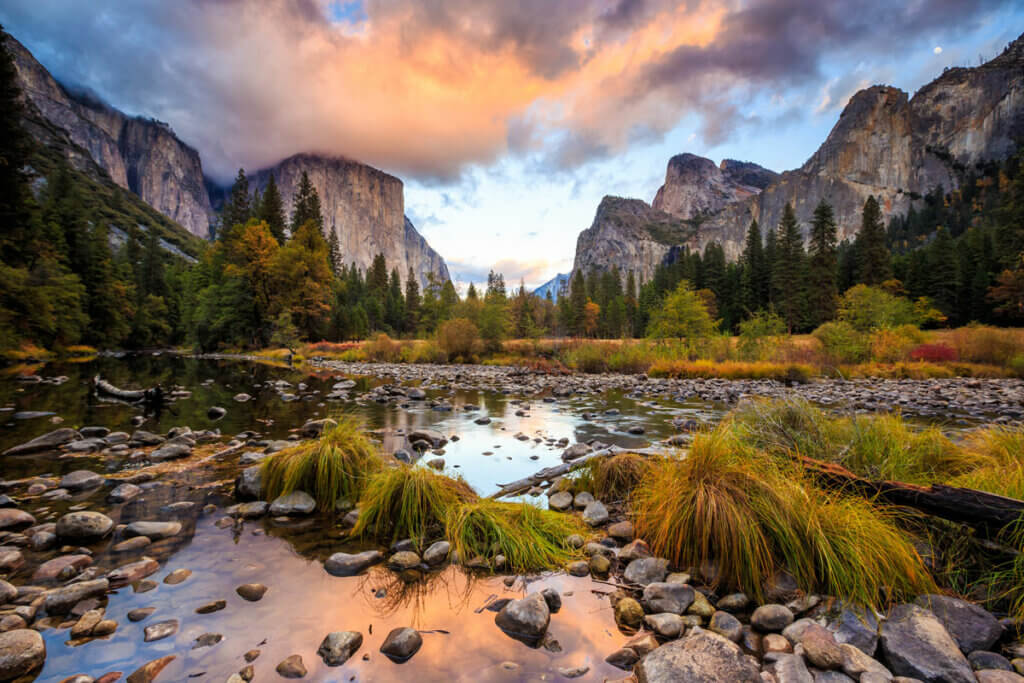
(885, 144)
(364, 207)
(141, 155)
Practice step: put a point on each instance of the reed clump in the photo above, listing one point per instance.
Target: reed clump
(530, 539)
(407, 501)
(333, 467)
(751, 515)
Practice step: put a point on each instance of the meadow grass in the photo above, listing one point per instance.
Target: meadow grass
(751, 515)
(531, 539)
(333, 467)
(407, 501)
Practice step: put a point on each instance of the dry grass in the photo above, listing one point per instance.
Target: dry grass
(531, 539)
(335, 466)
(614, 477)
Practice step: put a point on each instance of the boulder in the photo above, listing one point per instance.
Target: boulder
(917, 645)
(21, 651)
(700, 657)
(527, 618)
(292, 667)
(972, 627)
(595, 514)
(249, 483)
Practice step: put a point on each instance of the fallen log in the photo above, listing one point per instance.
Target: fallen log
(108, 389)
(550, 473)
(987, 512)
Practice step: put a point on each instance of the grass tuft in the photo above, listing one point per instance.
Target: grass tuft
(332, 467)
(751, 515)
(614, 477)
(531, 539)
(409, 502)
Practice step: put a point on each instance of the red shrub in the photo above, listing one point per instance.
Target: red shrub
(933, 353)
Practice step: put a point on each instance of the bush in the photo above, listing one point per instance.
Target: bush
(933, 353)
(891, 345)
(682, 314)
(983, 344)
(383, 348)
(459, 338)
(759, 334)
(842, 342)
(871, 308)
(335, 466)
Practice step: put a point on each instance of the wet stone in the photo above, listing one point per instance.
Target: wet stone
(84, 526)
(140, 613)
(253, 592)
(211, 607)
(345, 564)
(81, 480)
(527, 618)
(177, 576)
(338, 646)
(123, 493)
(292, 667)
(153, 530)
(207, 640)
(401, 644)
(437, 553)
(294, 503)
(21, 652)
(646, 570)
(771, 618)
(161, 630)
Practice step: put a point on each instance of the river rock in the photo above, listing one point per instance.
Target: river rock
(7, 592)
(667, 597)
(252, 592)
(148, 672)
(254, 509)
(314, 428)
(52, 569)
(437, 553)
(700, 657)
(249, 484)
(132, 572)
(211, 607)
(856, 663)
(216, 412)
(790, 668)
(160, 630)
(46, 442)
(595, 514)
(12, 519)
(666, 625)
(646, 570)
(577, 450)
(858, 627)
(84, 526)
(153, 530)
(972, 627)
(171, 451)
(292, 667)
(294, 503)
(622, 532)
(80, 480)
(338, 646)
(726, 625)
(21, 651)
(10, 559)
(628, 612)
(61, 600)
(123, 493)
(771, 618)
(981, 660)
(560, 501)
(345, 564)
(917, 645)
(434, 438)
(241, 397)
(402, 643)
(733, 602)
(820, 648)
(403, 560)
(527, 618)
(177, 576)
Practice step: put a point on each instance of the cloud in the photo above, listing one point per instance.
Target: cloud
(513, 270)
(428, 88)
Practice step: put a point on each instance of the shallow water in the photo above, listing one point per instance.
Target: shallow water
(304, 603)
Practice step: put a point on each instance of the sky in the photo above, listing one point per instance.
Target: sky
(507, 120)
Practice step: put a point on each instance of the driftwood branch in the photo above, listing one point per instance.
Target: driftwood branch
(550, 473)
(105, 388)
(987, 512)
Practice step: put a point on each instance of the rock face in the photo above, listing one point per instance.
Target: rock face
(141, 155)
(628, 233)
(695, 185)
(885, 144)
(364, 206)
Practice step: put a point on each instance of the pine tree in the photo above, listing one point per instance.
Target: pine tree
(788, 273)
(471, 294)
(577, 304)
(237, 210)
(821, 286)
(755, 295)
(631, 306)
(874, 260)
(334, 252)
(412, 302)
(15, 148)
(306, 205)
(272, 210)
